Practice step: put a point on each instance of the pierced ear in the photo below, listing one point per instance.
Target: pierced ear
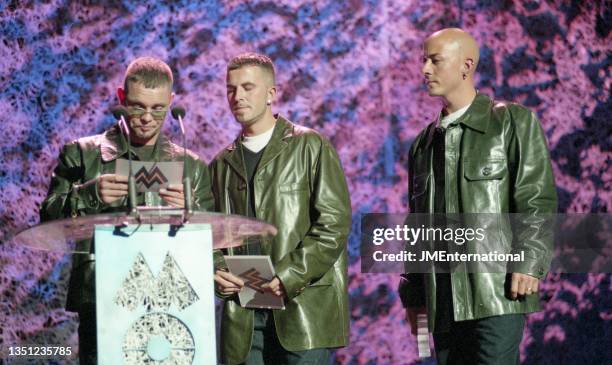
(469, 64)
(271, 94)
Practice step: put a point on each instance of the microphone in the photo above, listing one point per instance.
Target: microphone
(121, 114)
(178, 113)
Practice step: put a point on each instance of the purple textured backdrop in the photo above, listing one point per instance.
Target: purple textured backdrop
(349, 69)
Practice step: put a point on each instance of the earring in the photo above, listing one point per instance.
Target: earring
(464, 76)
(269, 102)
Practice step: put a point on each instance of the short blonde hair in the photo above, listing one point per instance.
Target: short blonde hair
(149, 71)
(252, 59)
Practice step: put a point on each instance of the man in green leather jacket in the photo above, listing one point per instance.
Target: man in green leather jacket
(289, 176)
(84, 181)
(481, 156)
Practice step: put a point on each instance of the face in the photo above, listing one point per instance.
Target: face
(147, 108)
(442, 67)
(248, 90)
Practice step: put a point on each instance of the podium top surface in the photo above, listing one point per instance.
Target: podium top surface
(61, 235)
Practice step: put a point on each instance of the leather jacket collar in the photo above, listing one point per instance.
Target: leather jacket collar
(113, 146)
(283, 129)
(476, 117)
(478, 114)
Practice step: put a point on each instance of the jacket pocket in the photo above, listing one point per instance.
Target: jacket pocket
(484, 179)
(489, 169)
(326, 280)
(291, 187)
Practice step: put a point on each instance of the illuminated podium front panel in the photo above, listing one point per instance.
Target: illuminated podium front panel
(155, 295)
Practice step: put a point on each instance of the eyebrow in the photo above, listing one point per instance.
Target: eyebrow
(134, 102)
(248, 83)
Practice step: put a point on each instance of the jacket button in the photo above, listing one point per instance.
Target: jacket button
(486, 171)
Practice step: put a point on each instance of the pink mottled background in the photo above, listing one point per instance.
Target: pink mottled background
(348, 69)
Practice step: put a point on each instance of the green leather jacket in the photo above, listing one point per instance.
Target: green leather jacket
(300, 188)
(496, 161)
(87, 158)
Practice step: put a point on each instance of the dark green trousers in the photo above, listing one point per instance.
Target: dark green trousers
(267, 350)
(488, 341)
(87, 335)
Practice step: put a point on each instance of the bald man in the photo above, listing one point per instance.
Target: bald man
(479, 156)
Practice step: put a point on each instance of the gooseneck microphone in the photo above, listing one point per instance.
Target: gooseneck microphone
(178, 113)
(121, 114)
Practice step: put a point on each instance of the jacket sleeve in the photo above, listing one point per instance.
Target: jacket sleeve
(218, 259)
(533, 195)
(326, 240)
(67, 195)
(203, 197)
(411, 288)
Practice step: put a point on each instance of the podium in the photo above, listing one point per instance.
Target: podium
(154, 278)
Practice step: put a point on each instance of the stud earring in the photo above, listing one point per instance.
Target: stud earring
(269, 102)
(464, 76)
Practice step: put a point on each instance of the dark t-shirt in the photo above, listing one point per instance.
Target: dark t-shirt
(144, 153)
(251, 161)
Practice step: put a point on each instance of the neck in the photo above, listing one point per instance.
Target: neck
(460, 99)
(260, 126)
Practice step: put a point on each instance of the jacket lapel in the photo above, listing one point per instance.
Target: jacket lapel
(233, 158)
(478, 114)
(282, 130)
(164, 150)
(112, 145)
(430, 135)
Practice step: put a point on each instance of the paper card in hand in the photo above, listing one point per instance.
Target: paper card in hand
(152, 176)
(255, 271)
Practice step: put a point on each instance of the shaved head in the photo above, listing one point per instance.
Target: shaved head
(450, 58)
(459, 42)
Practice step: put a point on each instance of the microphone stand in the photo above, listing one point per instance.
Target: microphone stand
(131, 181)
(178, 113)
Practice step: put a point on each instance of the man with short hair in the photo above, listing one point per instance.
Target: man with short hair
(84, 181)
(291, 177)
(480, 156)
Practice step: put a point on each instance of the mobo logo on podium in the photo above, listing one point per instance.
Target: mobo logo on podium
(155, 296)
